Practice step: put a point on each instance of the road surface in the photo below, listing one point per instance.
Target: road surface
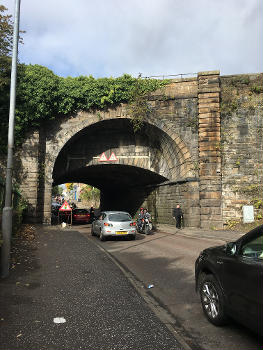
(167, 261)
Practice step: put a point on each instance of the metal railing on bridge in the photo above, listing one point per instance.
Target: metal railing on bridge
(168, 76)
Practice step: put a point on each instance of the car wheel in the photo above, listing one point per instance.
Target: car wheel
(147, 230)
(132, 237)
(92, 231)
(212, 300)
(102, 237)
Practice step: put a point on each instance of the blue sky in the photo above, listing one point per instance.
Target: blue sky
(153, 37)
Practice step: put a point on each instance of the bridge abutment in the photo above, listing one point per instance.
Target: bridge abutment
(209, 149)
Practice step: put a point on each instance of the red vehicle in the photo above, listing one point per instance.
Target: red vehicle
(80, 216)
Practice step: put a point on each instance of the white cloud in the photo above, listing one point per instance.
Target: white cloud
(112, 37)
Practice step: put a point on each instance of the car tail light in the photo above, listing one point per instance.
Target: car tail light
(107, 224)
(133, 224)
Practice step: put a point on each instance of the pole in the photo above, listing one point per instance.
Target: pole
(8, 210)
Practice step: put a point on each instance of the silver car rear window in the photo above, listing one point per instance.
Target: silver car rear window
(119, 217)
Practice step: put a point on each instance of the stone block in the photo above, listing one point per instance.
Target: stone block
(210, 202)
(210, 217)
(203, 74)
(209, 97)
(205, 104)
(212, 115)
(205, 210)
(207, 146)
(212, 225)
(208, 109)
(215, 153)
(210, 195)
(209, 89)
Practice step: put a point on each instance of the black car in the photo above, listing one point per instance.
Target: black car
(229, 280)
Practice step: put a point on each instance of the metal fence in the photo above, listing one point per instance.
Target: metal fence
(169, 76)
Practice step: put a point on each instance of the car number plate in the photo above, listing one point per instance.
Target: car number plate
(121, 232)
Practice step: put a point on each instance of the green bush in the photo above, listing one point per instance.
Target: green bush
(43, 96)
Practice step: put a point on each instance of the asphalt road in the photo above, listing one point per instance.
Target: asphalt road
(64, 275)
(167, 261)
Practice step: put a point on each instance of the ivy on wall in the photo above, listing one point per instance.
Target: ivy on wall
(42, 96)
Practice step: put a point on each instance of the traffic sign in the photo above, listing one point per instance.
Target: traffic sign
(65, 207)
(113, 158)
(103, 158)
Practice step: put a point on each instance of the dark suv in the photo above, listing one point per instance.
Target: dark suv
(229, 280)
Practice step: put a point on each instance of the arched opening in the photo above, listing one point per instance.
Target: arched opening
(144, 159)
(123, 187)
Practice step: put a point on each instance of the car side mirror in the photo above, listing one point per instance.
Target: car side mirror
(231, 248)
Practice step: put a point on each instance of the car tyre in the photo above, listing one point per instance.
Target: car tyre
(102, 237)
(92, 231)
(212, 300)
(132, 237)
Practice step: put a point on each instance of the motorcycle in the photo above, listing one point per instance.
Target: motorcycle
(145, 226)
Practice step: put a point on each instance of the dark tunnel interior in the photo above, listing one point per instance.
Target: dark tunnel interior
(123, 187)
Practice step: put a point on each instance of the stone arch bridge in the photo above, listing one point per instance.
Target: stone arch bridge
(174, 158)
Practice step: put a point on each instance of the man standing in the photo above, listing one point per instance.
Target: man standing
(178, 215)
(92, 213)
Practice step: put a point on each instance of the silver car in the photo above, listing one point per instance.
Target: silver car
(114, 223)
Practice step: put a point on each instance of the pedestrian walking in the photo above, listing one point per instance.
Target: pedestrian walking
(92, 213)
(178, 216)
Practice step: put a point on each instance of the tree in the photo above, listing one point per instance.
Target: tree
(6, 43)
(57, 191)
(6, 32)
(69, 186)
(89, 193)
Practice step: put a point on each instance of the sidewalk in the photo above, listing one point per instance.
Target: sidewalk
(64, 293)
(224, 235)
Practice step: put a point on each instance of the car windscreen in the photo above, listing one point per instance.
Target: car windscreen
(120, 217)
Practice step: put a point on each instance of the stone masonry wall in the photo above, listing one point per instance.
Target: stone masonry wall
(165, 197)
(242, 145)
(215, 129)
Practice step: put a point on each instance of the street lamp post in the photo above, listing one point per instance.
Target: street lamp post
(7, 216)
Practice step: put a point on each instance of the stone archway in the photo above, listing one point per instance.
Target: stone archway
(187, 114)
(144, 159)
(167, 160)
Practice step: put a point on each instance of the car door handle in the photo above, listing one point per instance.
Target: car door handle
(219, 262)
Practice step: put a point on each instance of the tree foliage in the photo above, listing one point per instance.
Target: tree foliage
(43, 96)
(6, 44)
(69, 186)
(57, 191)
(89, 193)
(6, 39)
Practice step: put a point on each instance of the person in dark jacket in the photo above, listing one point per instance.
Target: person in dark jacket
(140, 217)
(178, 216)
(92, 213)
